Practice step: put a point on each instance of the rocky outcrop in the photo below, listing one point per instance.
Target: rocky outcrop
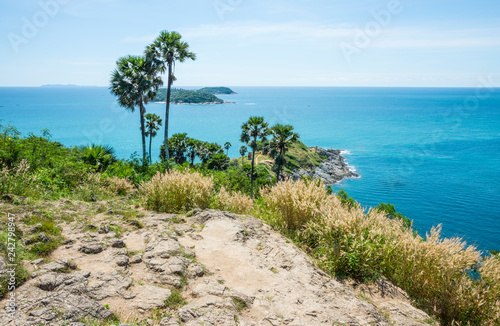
(331, 170)
(213, 268)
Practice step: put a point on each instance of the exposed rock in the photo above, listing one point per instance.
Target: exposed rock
(332, 170)
(150, 297)
(91, 248)
(103, 229)
(105, 285)
(234, 270)
(117, 243)
(136, 259)
(122, 260)
(43, 238)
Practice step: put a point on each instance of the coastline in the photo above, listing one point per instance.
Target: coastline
(332, 170)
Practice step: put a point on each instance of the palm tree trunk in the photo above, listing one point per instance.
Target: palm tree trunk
(167, 111)
(150, 139)
(143, 134)
(251, 176)
(279, 166)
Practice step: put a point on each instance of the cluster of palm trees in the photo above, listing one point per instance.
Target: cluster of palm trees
(136, 79)
(186, 149)
(255, 132)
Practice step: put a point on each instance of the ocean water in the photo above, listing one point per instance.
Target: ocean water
(432, 152)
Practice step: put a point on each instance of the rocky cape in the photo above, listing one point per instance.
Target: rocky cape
(331, 170)
(230, 270)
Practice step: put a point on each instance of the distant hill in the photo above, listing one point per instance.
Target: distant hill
(59, 85)
(217, 90)
(184, 96)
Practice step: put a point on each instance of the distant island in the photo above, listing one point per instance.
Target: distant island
(200, 96)
(217, 90)
(59, 85)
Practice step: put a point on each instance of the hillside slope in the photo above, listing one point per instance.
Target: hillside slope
(213, 268)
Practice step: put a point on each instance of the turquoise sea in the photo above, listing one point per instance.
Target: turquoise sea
(433, 152)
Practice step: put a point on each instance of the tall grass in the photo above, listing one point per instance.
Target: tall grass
(176, 191)
(444, 276)
(236, 202)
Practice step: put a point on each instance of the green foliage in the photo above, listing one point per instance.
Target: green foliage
(391, 213)
(184, 96)
(175, 300)
(98, 156)
(177, 147)
(217, 90)
(239, 304)
(346, 201)
(218, 162)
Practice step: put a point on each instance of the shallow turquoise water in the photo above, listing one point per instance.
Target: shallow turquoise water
(433, 152)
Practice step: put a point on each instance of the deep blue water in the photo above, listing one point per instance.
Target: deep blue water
(433, 152)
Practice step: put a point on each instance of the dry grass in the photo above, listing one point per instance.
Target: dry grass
(175, 191)
(120, 186)
(444, 276)
(235, 202)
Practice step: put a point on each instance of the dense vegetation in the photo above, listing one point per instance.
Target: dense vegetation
(453, 282)
(184, 96)
(217, 90)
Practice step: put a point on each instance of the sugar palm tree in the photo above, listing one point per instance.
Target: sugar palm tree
(135, 84)
(282, 138)
(227, 146)
(255, 129)
(243, 151)
(192, 145)
(153, 123)
(165, 51)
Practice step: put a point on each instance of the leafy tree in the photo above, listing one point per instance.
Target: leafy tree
(177, 145)
(99, 156)
(243, 151)
(252, 131)
(282, 138)
(153, 123)
(227, 146)
(165, 51)
(218, 162)
(135, 84)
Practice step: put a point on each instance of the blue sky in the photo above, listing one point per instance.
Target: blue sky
(257, 42)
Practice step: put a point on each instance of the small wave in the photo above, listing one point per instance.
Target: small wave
(250, 104)
(345, 152)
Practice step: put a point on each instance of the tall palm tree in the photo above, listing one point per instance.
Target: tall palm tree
(192, 145)
(251, 131)
(153, 123)
(243, 151)
(283, 138)
(165, 51)
(134, 82)
(227, 146)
